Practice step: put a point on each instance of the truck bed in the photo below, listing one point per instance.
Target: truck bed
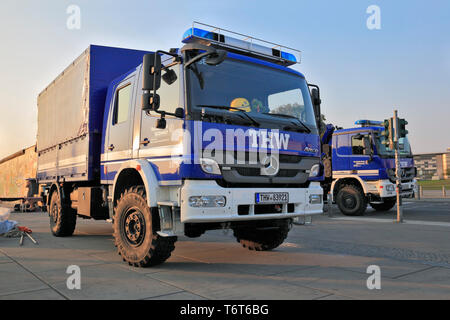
(70, 114)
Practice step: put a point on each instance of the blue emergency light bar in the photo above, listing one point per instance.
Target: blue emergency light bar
(369, 123)
(249, 45)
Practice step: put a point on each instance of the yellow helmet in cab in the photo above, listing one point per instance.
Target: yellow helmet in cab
(241, 103)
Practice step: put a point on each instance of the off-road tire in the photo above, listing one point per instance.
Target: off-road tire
(135, 231)
(63, 218)
(263, 239)
(351, 200)
(385, 206)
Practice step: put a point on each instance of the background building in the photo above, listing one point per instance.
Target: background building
(433, 166)
(14, 170)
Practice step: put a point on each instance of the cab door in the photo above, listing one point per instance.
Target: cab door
(163, 146)
(340, 154)
(119, 141)
(362, 160)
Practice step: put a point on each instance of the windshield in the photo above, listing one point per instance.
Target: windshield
(250, 87)
(383, 149)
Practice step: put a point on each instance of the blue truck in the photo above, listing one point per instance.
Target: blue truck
(221, 133)
(359, 168)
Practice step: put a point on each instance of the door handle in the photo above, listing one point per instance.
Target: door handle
(111, 147)
(145, 142)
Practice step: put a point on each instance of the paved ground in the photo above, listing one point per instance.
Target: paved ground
(325, 260)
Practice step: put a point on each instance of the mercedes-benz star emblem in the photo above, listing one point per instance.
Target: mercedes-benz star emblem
(271, 165)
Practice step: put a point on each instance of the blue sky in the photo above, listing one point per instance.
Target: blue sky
(362, 73)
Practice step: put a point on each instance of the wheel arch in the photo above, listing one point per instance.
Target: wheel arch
(54, 187)
(137, 172)
(350, 179)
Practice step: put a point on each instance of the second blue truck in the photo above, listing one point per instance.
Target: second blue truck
(359, 168)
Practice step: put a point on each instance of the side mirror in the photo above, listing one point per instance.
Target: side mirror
(316, 102)
(179, 112)
(367, 147)
(161, 123)
(169, 77)
(150, 101)
(315, 95)
(151, 81)
(151, 72)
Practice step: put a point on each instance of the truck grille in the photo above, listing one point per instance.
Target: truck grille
(292, 169)
(284, 158)
(407, 176)
(253, 172)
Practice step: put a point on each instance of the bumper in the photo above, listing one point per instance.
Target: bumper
(387, 189)
(299, 200)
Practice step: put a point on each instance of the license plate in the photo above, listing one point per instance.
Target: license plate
(272, 197)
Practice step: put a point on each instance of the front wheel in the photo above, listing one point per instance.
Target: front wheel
(351, 200)
(264, 238)
(135, 231)
(385, 206)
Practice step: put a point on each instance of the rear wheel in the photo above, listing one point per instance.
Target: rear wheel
(351, 200)
(135, 231)
(265, 238)
(62, 217)
(385, 206)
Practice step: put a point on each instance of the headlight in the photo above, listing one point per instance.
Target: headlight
(315, 199)
(207, 201)
(390, 187)
(209, 166)
(315, 170)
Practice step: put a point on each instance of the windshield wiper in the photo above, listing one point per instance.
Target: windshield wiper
(299, 122)
(255, 123)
